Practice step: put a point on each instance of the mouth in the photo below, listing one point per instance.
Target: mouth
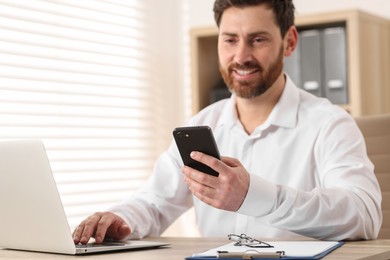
(245, 72)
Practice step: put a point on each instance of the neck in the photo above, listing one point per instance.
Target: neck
(255, 111)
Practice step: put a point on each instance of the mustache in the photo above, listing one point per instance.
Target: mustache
(246, 66)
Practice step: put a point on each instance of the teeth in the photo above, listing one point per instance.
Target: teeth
(244, 72)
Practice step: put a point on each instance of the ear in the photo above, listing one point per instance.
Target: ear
(290, 41)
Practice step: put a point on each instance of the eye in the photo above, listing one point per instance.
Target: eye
(229, 40)
(258, 39)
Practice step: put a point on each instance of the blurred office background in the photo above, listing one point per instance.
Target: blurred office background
(103, 83)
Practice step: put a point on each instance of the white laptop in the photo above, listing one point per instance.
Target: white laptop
(32, 216)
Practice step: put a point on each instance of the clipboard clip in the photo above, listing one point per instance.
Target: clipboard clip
(250, 254)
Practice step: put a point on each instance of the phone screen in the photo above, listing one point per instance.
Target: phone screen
(196, 138)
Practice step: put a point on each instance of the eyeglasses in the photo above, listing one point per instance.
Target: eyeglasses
(244, 240)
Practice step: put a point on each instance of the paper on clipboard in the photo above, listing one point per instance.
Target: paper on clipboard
(292, 249)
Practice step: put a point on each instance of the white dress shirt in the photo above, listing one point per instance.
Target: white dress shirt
(309, 176)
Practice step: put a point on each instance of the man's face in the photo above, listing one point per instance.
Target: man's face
(250, 50)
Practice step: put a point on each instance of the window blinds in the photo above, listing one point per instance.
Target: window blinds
(76, 74)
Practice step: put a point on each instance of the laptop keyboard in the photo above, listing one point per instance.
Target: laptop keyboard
(99, 245)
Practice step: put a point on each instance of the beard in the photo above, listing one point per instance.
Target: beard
(253, 88)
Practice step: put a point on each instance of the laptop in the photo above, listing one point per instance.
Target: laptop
(32, 215)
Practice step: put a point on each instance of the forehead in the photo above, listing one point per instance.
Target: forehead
(248, 19)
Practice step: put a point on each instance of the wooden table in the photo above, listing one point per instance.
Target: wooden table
(182, 247)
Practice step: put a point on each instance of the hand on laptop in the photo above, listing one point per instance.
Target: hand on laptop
(101, 225)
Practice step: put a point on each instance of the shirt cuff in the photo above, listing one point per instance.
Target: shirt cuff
(260, 198)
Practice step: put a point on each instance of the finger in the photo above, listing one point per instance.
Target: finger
(208, 160)
(113, 226)
(102, 226)
(89, 227)
(193, 175)
(232, 162)
(198, 187)
(122, 231)
(77, 232)
(202, 192)
(205, 199)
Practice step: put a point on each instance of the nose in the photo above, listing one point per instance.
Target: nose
(243, 54)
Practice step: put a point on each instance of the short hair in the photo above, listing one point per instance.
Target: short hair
(283, 10)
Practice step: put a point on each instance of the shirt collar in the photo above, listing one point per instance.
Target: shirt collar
(284, 114)
(229, 116)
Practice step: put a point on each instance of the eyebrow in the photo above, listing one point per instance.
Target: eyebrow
(250, 34)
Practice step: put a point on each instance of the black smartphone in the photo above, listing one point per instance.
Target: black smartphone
(196, 138)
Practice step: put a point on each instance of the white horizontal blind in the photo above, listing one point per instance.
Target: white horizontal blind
(76, 74)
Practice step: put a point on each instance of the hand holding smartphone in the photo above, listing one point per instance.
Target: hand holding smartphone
(196, 138)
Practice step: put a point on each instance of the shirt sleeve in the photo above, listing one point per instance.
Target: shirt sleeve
(163, 198)
(346, 203)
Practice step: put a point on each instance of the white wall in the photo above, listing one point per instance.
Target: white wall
(167, 49)
(201, 10)
(377, 7)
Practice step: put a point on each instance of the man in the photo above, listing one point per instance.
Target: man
(294, 165)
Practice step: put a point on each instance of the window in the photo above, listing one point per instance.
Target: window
(78, 75)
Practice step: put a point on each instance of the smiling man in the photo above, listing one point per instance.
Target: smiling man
(293, 164)
(251, 48)
(251, 53)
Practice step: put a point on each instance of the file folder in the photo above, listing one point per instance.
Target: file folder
(335, 65)
(311, 61)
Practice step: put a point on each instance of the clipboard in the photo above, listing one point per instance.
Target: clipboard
(293, 250)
